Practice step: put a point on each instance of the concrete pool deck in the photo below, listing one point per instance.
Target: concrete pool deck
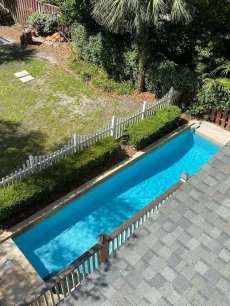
(25, 279)
(17, 280)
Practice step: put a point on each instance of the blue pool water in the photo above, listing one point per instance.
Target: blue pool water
(57, 241)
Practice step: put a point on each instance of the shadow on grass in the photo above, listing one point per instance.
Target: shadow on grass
(14, 52)
(15, 146)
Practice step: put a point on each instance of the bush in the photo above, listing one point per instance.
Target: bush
(118, 56)
(208, 97)
(44, 184)
(42, 23)
(161, 75)
(110, 52)
(152, 128)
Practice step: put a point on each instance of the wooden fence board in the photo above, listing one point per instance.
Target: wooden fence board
(218, 115)
(212, 117)
(22, 9)
(224, 118)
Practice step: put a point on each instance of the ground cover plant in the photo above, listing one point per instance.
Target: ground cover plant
(39, 117)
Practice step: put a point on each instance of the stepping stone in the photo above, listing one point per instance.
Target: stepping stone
(26, 78)
(21, 74)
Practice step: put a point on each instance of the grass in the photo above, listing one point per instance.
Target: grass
(40, 116)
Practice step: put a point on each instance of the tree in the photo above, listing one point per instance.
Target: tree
(139, 17)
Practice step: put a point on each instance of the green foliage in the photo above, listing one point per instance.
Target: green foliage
(75, 11)
(109, 85)
(161, 75)
(104, 57)
(44, 184)
(53, 2)
(152, 128)
(42, 23)
(120, 61)
(208, 97)
(207, 53)
(107, 51)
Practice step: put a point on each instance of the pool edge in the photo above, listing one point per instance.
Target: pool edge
(65, 200)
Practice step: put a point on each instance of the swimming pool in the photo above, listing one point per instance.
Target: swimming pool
(56, 242)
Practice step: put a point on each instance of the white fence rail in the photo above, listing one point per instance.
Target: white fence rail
(114, 127)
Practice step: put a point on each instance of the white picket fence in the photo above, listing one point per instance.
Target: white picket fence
(114, 127)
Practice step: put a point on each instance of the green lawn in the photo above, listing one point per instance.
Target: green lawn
(38, 117)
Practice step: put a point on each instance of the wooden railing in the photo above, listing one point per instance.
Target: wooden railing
(219, 116)
(20, 10)
(114, 127)
(61, 285)
(120, 235)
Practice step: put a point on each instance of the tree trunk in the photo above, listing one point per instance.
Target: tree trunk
(141, 73)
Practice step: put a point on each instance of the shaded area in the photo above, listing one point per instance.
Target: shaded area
(14, 52)
(16, 146)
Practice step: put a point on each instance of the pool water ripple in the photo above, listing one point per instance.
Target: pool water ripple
(56, 242)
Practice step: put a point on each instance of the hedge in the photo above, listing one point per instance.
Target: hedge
(152, 128)
(118, 56)
(42, 185)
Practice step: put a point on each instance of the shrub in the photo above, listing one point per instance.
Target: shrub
(42, 23)
(208, 97)
(161, 75)
(119, 58)
(152, 128)
(44, 184)
(108, 51)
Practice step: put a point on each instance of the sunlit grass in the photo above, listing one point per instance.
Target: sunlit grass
(39, 116)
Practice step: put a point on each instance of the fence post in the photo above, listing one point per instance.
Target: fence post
(170, 97)
(103, 239)
(32, 164)
(143, 110)
(113, 127)
(75, 142)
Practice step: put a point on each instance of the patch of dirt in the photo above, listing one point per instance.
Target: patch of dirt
(61, 53)
(54, 52)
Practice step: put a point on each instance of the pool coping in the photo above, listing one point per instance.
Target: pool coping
(52, 208)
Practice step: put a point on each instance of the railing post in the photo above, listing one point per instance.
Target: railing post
(32, 163)
(103, 239)
(113, 127)
(144, 106)
(170, 97)
(75, 142)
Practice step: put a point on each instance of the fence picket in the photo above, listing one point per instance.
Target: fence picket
(114, 127)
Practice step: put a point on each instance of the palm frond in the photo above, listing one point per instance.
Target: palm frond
(180, 11)
(155, 8)
(223, 84)
(224, 68)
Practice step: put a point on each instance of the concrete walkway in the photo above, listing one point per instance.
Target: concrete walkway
(213, 132)
(179, 256)
(17, 280)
